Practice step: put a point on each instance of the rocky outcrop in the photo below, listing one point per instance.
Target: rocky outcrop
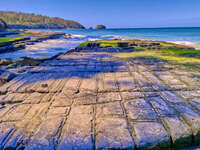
(3, 25)
(100, 27)
(6, 76)
(95, 100)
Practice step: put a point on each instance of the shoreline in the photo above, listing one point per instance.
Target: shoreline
(196, 45)
(26, 37)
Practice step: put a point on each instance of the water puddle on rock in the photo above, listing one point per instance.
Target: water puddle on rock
(44, 49)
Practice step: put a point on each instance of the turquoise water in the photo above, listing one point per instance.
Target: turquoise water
(163, 34)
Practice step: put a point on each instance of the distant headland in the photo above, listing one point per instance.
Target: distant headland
(20, 20)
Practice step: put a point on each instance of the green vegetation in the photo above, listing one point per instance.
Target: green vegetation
(186, 57)
(104, 43)
(10, 39)
(169, 52)
(25, 20)
(26, 61)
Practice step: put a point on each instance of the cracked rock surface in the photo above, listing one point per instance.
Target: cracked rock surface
(92, 100)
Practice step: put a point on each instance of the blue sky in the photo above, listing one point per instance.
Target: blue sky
(114, 13)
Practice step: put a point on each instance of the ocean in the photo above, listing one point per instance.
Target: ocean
(162, 34)
(187, 36)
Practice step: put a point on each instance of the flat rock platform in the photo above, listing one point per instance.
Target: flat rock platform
(93, 100)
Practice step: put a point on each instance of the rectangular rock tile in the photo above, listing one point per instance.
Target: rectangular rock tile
(26, 83)
(151, 135)
(179, 131)
(89, 85)
(6, 130)
(33, 118)
(192, 118)
(113, 133)
(140, 110)
(45, 137)
(16, 113)
(57, 85)
(141, 114)
(142, 82)
(132, 95)
(156, 83)
(12, 98)
(77, 131)
(142, 68)
(171, 97)
(109, 109)
(85, 99)
(108, 97)
(58, 111)
(33, 98)
(48, 97)
(161, 107)
(169, 79)
(107, 84)
(62, 99)
(71, 85)
(188, 78)
(137, 103)
(189, 94)
(39, 86)
(37, 110)
(127, 84)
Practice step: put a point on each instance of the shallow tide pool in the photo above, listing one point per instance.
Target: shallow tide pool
(47, 48)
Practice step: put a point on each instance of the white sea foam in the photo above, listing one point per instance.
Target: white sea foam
(196, 45)
(78, 36)
(93, 39)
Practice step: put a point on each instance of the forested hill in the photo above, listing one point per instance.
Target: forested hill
(26, 20)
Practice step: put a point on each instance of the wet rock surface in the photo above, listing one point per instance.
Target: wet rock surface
(93, 100)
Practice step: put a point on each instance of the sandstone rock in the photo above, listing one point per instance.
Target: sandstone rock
(151, 135)
(179, 131)
(7, 76)
(122, 44)
(77, 132)
(100, 27)
(112, 133)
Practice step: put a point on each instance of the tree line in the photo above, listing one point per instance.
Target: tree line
(27, 20)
